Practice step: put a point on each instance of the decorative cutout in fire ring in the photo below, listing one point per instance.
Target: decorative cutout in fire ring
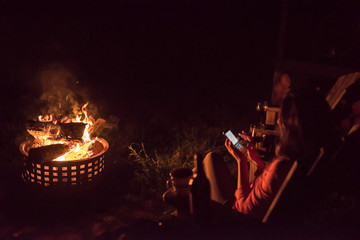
(74, 172)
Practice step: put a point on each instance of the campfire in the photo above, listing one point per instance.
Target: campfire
(63, 150)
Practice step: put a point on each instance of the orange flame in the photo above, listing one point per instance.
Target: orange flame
(46, 118)
(77, 150)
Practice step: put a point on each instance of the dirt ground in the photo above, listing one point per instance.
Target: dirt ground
(97, 213)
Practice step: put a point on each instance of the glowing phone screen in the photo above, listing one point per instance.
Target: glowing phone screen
(233, 139)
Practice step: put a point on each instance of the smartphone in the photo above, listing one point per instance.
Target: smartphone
(233, 139)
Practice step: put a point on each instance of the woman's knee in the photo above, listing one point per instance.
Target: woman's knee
(209, 159)
(212, 160)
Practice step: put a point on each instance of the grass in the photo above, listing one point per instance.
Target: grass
(152, 166)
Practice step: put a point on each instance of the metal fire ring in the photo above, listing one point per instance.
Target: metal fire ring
(70, 173)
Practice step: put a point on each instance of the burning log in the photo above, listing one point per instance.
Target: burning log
(97, 147)
(73, 130)
(38, 129)
(47, 153)
(96, 128)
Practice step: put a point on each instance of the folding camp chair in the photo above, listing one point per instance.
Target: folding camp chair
(279, 193)
(339, 89)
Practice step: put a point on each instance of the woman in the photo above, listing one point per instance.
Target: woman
(302, 124)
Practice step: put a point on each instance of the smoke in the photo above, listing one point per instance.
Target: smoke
(62, 94)
(54, 81)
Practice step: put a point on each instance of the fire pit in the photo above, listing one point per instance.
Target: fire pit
(74, 172)
(63, 150)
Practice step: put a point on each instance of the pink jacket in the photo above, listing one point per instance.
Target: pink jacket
(257, 200)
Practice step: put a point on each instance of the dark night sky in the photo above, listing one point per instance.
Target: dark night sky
(158, 54)
(176, 57)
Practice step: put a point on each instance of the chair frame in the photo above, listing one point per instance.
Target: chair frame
(278, 194)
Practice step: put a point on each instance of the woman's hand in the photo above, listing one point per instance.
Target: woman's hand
(251, 150)
(243, 174)
(239, 156)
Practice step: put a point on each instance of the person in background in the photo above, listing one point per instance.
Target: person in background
(350, 123)
(303, 129)
(346, 162)
(280, 89)
(355, 112)
(347, 111)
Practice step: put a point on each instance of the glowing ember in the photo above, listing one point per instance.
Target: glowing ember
(73, 131)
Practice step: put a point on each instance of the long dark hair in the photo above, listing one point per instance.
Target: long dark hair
(304, 123)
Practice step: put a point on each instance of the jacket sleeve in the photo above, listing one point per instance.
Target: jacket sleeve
(256, 201)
